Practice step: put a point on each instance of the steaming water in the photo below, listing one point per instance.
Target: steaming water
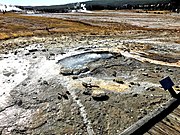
(78, 61)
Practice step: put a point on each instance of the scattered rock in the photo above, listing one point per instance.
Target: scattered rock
(26, 54)
(145, 74)
(34, 57)
(15, 53)
(127, 111)
(63, 95)
(51, 56)
(45, 82)
(118, 80)
(170, 70)
(19, 102)
(157, 68)
(7, 73)
(132, 83)
(20, 130)
(34, 97)
(177, 88)
(114, 73)
(150, 89)
(85, 84)
(59, 97)
(87, 92)
(135, 95)
(81, 70)
(33, 50)
(144, 112)
(44, 50)
(99, 95)
(75, 77)
(80, 48)
(66, 72)
(89, 85)
(139, 117)
(67, 92)
(24, 84)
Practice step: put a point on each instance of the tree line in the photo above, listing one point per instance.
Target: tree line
(172, 5)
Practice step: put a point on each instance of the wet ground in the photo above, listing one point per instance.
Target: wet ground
(102, 18)
(75, 84)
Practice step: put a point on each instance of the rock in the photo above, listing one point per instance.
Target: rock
(152, 103)
(52, 43)
(59, 97)
(27, 54)
(33, 50)
(63, 96)
(145, 74)
(52, 56)
(144, 112)
(66, 72)
(129, 62)
(20, 130)
(158, 68)
(170, 70)
(150, 89)
(127, 111)
(135, 95)
(34, 57)
(85, 84)
(1, 130)
(34, 97)
(7, 73)
(19, 102)
(79, 71)
(62, 53)
(88, 85)
(24, 84)
(87, 92)
(99, 95)
(132, 83)
(139, 117)
(45, 82)
(75, 77)
(80, 48)
(15, 53)
(44, 50)
(118, 80)
(114, 73)
(177, 88)
(67, 92)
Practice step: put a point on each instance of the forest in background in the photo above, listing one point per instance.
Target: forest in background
(173, 5)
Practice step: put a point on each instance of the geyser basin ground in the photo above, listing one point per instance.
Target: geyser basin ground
(39, 99)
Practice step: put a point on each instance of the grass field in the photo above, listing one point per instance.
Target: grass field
(16, 25)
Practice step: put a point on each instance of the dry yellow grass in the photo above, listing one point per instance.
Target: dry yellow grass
(16, 25)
